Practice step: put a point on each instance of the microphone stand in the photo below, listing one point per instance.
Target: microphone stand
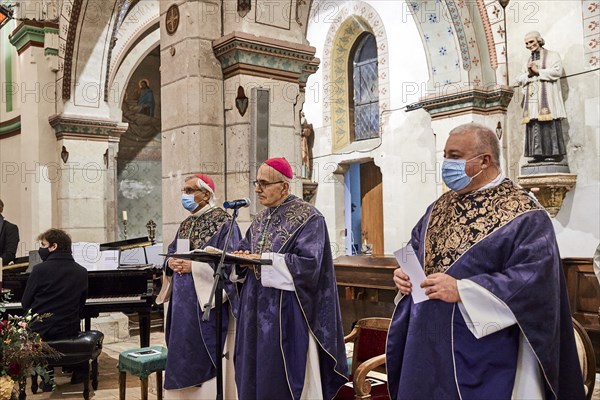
(218, 290)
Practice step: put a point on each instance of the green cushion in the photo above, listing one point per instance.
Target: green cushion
(144, 365)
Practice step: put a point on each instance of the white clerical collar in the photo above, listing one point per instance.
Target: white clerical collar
(497, 180)
(202, 210)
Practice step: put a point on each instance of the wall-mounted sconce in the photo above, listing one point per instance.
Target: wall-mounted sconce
(243, 7)
(64, 154)
(241, 101)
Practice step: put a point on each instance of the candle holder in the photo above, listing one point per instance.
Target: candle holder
(125, 228)
(151, 227)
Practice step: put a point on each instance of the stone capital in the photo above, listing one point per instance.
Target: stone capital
(87, 129)
(245, 54)
(450, 101)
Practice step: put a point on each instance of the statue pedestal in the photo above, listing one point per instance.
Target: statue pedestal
(549, 167)
(549, 188)
(308, 189)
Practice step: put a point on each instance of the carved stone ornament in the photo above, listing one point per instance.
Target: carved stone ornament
(241, 101)
(549, 189)
(244, 7)
(172, 19)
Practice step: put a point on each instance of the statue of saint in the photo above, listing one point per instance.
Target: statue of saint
(308, 137)
(543, 106)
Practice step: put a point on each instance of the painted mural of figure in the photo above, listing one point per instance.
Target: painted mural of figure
(543, 107)
(146, 99)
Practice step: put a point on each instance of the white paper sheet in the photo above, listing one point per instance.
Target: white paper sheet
(411, 266)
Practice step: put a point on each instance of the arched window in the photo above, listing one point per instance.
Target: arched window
(366, 89)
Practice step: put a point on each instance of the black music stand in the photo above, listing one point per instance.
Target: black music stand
(218, 288)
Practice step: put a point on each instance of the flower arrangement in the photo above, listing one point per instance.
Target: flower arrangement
(22, 352)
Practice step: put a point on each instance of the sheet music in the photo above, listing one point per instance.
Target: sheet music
(86, 254)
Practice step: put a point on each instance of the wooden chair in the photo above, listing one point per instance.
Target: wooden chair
(587, 358)
(369, 336)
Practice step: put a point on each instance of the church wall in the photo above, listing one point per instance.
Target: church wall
(578, 223)
(274, 19)
(405, 153)
(139, 163)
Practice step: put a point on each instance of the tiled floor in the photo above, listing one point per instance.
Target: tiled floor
(108, 383)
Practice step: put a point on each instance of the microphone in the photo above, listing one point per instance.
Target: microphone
(235, 204)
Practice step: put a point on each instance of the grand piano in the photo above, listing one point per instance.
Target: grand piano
(123, 290)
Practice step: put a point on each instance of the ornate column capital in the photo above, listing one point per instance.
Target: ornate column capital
(450, 102)
(89, 129)
(245, 54)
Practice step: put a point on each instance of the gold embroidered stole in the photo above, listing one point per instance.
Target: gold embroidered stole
(285, 222)
(458, 222)
(199, 229)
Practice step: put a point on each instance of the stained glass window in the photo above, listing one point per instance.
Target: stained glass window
(366, 89)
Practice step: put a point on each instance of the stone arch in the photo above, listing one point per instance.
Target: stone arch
(353, 22)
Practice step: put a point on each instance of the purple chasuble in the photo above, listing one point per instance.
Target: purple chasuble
(501, 239)
(274, 325)
(192, 342)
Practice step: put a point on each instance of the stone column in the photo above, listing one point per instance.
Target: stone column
(85, 181)
(35, 93)
(276, 67)
(192, 103)
(486, 106)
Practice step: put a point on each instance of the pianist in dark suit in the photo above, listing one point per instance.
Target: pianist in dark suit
(9, 239)
(190, 371)
(59, 286)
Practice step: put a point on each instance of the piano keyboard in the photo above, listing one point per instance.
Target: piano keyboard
(95, 300)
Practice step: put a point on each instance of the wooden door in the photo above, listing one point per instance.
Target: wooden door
(371, 193)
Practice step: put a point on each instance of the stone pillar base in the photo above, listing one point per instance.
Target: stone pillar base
(115, 326)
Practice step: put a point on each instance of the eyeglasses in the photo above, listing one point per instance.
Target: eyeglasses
(190, 190)
(264, 184)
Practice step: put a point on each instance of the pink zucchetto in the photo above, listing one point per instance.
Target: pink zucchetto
(282, 165)
(207, 180)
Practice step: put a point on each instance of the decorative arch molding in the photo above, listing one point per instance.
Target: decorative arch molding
(138, 21)
(69, 20)
(355, 19)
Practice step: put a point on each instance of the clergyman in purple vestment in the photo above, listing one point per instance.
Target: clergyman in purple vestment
(190, 371)
(289, 341)
(497, 324)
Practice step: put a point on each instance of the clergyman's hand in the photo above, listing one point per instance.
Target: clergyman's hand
(180, 266)
(246, 254)
(441, 287)
(402, 281)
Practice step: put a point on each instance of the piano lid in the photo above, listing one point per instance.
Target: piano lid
(126, 244)
(20, 265)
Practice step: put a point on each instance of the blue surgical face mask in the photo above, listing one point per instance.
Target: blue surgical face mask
(454, 173)
(187, 201)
